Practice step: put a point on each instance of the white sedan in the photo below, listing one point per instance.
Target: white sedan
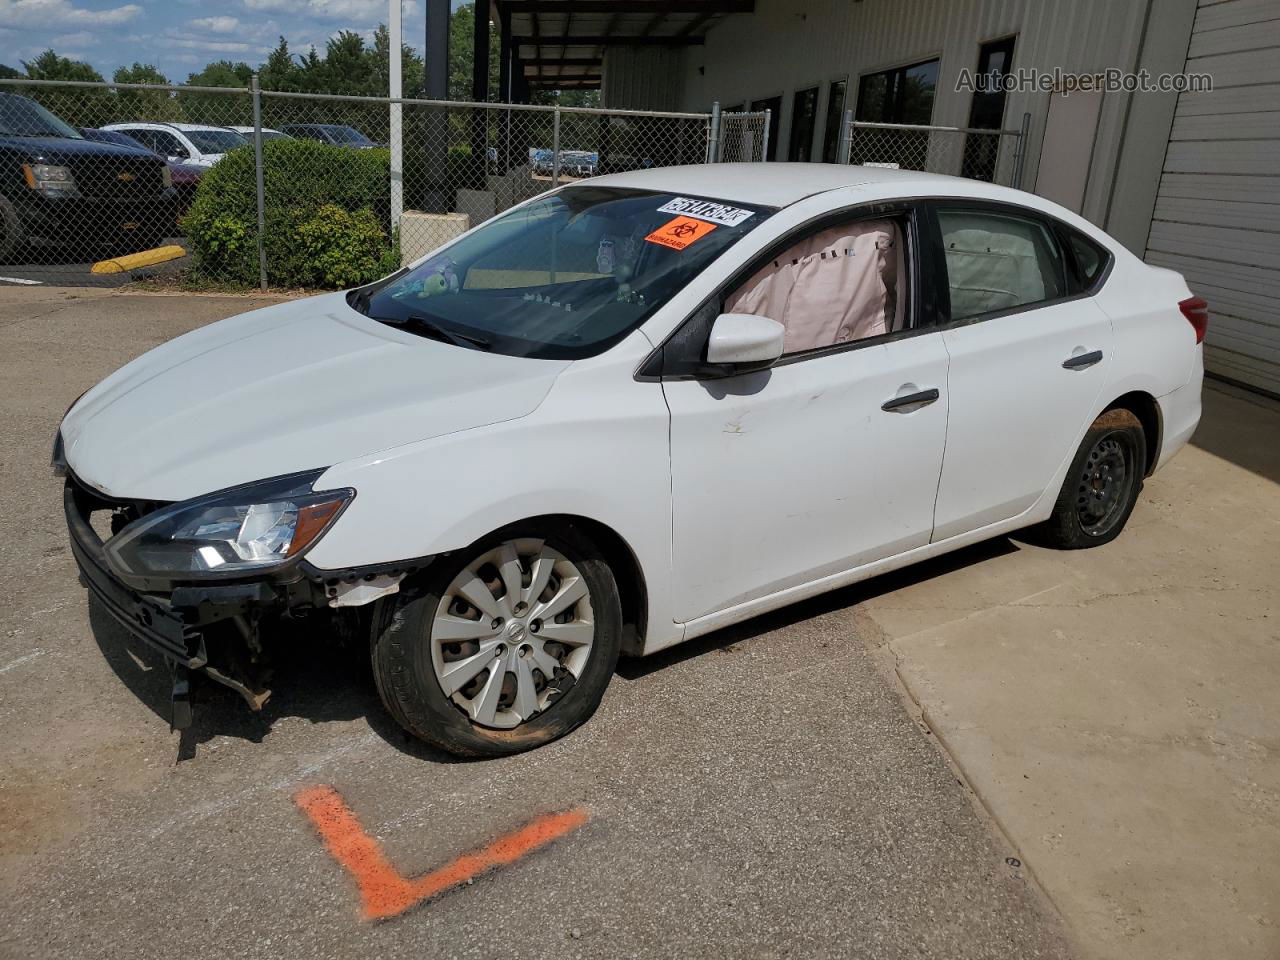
(622, 415)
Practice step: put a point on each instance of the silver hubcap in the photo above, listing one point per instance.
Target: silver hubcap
(512, 633)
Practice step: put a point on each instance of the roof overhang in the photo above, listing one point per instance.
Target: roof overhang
(560, 43)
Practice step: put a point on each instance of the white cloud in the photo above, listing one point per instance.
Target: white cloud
(42, 13)
(216, 24)
(81, 38)
(287, 5)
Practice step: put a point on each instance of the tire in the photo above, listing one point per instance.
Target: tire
(1102, 484)
(553, 674)
(10, 230)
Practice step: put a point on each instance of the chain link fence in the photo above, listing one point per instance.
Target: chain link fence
(740, 137)
(995, 156)
(121, 180)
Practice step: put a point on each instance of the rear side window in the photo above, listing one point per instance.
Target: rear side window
(999, 261)
(1091, 261)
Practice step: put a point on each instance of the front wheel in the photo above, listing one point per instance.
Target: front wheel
(1102, 485)
(503, 647)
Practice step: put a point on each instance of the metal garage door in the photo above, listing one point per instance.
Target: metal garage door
(1217, 216)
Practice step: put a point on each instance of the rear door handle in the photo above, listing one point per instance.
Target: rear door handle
(1082, 360)
(921, 398)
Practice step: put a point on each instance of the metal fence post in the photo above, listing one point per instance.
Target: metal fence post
(1020, 158)
(713, 134)
(764, 140)
(555, 147)
(844, 152)
(257, 169)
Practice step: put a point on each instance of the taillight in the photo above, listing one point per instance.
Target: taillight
(1196, 310)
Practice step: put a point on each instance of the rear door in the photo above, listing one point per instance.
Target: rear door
(1028, 359)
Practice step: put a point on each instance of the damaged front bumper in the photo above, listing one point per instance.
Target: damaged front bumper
(213, 628)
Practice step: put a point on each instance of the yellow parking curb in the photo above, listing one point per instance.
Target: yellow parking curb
(144, 258)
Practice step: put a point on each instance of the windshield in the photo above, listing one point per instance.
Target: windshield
(20, 117)
(215, 141)
(346, 134)
(564, 277)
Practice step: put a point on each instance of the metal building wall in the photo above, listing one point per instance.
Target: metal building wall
(1217, 216)
(642, 78)
(790, 45)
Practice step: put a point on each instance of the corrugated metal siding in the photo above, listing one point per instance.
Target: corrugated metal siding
(785, 46)
(1217, 215)
(642, 78)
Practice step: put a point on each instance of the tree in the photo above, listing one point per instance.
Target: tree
(144, 104)
(83, 107)
(462, 39)
(280, 72)
(219, 109)
(8, 73)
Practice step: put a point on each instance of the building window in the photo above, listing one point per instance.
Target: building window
(804, 115)
(835, 117)
(901, 95)
(986, 112)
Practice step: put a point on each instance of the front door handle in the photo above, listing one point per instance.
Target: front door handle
(1082, 360)
(921, 398)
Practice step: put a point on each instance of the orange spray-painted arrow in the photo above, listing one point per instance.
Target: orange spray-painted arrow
(384, 892)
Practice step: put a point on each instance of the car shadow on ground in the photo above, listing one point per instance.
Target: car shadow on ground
(317, 677)
(321, 679)
(635, 668)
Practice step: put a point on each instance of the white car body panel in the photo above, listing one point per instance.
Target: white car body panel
(732, 503)
(796, 472)
(291, 387)
(1003, 446)
(196, 157)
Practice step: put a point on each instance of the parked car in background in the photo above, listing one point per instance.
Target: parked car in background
(185, 176)
(334, 134)
(785, 377)
(267, 133)
(58, 188)
(192, 143)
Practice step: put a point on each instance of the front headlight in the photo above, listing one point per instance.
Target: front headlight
(234, 532)
(49, 179)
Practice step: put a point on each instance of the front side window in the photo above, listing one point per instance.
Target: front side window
(838, 285)
(998, 261)
(563, 277)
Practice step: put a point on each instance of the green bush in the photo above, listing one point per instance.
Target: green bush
(326, 210)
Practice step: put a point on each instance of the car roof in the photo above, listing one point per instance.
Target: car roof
(782, 184)
(162, 125)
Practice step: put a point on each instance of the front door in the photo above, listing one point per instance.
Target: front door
(826, 461)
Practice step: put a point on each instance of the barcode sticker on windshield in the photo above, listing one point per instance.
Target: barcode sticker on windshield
(706, 210)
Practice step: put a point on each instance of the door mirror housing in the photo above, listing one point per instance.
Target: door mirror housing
(742, 343)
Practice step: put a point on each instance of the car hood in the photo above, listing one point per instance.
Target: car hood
(65, 148)
(291, 387)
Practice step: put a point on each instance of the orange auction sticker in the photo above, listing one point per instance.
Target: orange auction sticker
(680, 232)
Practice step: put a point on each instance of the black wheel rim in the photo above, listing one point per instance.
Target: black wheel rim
(1102, 489)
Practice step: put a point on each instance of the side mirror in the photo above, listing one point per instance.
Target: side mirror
(743, 343)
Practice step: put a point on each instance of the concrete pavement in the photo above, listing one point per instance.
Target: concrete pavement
(760, 793)
(1115, 708)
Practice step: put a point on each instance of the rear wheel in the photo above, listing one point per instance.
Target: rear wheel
(1102, 485)
(506, 648)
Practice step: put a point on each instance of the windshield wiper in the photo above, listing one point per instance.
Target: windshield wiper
(432, 329)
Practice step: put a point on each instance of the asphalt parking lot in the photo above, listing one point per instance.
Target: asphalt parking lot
(771, 790)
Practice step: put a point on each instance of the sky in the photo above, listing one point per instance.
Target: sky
(181, 36)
